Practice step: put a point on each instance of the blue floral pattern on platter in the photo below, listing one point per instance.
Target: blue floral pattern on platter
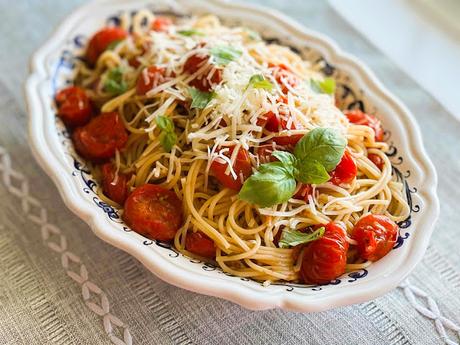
(346, 95)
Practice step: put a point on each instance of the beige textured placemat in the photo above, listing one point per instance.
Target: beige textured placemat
(62, 285)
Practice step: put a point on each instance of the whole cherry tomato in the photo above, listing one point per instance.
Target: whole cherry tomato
(154, 212)
(376, 236)
(325, 259)
(200, 244)
(114, 185)
(101, 137)
(102, 40)
(74, 106)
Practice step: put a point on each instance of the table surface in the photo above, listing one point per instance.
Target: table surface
(62, 285)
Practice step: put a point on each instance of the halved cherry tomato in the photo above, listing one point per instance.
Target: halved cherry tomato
(345, 171)
(74, 106)
(358, 117)
(101, 41)
(325, 258)
(161, 24)
(242, 166)
(376, 236)
(284, 77)
(200, 244)
(101, 137)
(154, 212)
(303, 193)
(201, 82)
(150, 78)
(114, 185)
(376, 159)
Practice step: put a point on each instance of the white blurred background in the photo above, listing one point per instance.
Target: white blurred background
(421, 36)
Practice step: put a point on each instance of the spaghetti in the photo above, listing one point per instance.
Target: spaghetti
(203, 107)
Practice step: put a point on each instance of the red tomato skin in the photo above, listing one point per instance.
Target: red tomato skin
(358, 117)
(114, 185)
(74, 106)
(376, 159)
(155, 77)
(345, 171)
(274, 124)
(376, 236)
(325, 258)
(101, 40)
(161, 24)
(242, 166)
(282, 72)
(193, 64)
(154, 212)
(303, 193)
(101, 137)
(200, 244)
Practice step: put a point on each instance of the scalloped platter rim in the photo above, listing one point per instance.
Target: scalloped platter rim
(52, 67)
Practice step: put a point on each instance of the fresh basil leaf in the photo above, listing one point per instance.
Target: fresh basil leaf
(324, 145)
(168, 140)
(168, 136)
(287, 158)
(323, 86)
(191, 32)
(113, 44)
(165, 123)
(311, 172)
(272, 184)
(223, 55)
(292, 237)
(258, 81)
(200, 99)
(114, 83)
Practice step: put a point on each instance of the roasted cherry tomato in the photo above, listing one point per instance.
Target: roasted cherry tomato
(303, 193)
(102, 40)
(201, 82)
(358, 117)
(161, 24)
(154, 212)
(74, 106)
(345, 171)
(242, 166)
(325, 258)
(114, 184)
(376, 159)
(274, 123)
(101, 137)
(150, 78)
(376, 236)
(200, 244)
(284, 77)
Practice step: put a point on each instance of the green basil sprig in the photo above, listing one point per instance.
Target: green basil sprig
(258, 81)
(223, 55)
(168, 135)
(191, 32)
(318, 152)
(200, 99)
(324, 86)
(292, 237)
(114, 83)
